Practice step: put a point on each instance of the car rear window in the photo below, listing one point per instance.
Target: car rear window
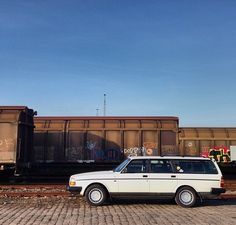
(195, 166)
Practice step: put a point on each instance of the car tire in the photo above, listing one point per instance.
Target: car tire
(96, 195)
(186, 197)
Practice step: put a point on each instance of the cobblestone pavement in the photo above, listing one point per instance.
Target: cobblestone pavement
(55, 210)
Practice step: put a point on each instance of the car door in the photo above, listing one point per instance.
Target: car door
(162, 179)
(133, 178)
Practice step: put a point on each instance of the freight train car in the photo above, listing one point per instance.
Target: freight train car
(64, 145)
(16, 138)
(209, 142)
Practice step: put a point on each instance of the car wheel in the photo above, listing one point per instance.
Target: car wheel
(96, 195)
(186, 197)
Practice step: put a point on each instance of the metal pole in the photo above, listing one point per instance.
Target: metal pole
(104, 106)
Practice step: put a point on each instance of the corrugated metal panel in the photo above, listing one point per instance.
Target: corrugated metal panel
(107, 138)
(207, 141)
(16, 133)
(169, 143)
(8, 134)
(8, 142)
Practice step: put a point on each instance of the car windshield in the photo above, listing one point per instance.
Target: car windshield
(122, 165)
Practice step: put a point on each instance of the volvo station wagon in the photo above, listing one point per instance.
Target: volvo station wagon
(184, 179)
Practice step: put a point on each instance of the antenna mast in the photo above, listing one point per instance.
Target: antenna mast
(97, 114)
(104, 105)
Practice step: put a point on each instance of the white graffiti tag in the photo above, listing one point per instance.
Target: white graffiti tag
(6, 143)
(91, 145)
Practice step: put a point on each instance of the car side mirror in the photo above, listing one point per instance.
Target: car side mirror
(124, 170)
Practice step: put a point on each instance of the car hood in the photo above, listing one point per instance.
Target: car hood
(92, 175)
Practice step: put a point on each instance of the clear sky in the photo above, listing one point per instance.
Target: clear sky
(150, 57)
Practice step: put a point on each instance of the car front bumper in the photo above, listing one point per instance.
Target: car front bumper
(74, 190)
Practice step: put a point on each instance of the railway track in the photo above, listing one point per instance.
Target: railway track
(59, 190)
(33, 190)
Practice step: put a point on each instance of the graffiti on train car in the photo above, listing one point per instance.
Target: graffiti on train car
(105, 155)
(74, 153)
(91, 145)
(92, 155)
(148, 148)
(6, 143)
(93, 151)
(98, 154)
(219, 153)
(134, 151)
(77, 154)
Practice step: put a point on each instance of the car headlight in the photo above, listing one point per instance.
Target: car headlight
(72, 181)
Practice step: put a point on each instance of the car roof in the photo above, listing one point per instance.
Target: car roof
(169, 157)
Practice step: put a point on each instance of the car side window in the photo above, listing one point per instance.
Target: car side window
(136, 166)
(183, 166)
(195, 166)
(210, 167)
(160, 166)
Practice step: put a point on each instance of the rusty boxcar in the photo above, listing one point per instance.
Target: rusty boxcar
(94, 143)
(16, 138)
(64, 145)
(214, 142)
(207, 141)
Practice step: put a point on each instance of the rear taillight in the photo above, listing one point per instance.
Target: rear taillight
(222, 182)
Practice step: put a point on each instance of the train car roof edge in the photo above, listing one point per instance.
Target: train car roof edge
(106, 118)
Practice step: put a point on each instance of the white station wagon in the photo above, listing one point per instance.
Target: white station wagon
(185, 179)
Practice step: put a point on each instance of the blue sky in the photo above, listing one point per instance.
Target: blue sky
(155, 57)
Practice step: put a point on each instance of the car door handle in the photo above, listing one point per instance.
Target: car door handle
(173, 176)
(145, 175)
